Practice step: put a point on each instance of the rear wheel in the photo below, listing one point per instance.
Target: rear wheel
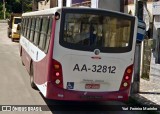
(32, 78)
(21, 57)
(9, 35)
(12, 39)
(22, 63)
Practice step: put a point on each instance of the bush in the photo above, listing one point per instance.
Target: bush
(7, 15)
(1, 15)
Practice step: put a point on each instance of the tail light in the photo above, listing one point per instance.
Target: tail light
(126, 81)
(57, 75)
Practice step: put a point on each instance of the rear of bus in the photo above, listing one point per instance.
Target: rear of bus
(93, 55)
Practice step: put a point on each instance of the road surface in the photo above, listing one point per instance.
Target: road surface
(15, 86)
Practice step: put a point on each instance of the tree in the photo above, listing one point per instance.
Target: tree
(26, 5)
(15, 6)
(1, 9)
(19, 6)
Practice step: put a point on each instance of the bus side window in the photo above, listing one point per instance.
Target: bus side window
(48, 35)
(32, 29)
(22, 24)
(37, 31)
(43, 34)
(29, 28)
(26, 24)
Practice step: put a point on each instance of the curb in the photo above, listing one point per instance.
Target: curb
(139, 100)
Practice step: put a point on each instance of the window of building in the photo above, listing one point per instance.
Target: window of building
(53, 3)
(64, 2)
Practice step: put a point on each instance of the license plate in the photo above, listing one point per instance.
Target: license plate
(92, 86)
(95, 68)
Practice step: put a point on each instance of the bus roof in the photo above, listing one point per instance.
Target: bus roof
(52, 11)
(44, 12)
(17, 17)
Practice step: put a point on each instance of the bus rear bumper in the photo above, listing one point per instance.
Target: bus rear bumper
(62, 94)
(15, 35)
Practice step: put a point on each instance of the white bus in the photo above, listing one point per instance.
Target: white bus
(80, 54)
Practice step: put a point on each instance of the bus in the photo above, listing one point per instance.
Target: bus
(13, 29)
(79, 54)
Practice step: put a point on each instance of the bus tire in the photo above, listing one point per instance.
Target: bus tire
(33, 85)
(22, 62)
(12, 39)
(21, 56)
(9, 35)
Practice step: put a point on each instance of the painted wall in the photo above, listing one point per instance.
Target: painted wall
(109, 4)
(154, 9)
(105, 4)
(69, 3)
(130, 9)
(156, 13)
(156, 21)
(43, 5)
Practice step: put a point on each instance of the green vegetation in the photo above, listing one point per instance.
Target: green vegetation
(15, 6)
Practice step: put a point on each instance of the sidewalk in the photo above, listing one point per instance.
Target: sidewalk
(150, 90)
(3, 21)
(149, 93)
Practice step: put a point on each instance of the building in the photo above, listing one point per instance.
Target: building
(156, 36)
(151, 46)
(106, 4)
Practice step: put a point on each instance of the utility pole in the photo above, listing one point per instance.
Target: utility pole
(136, 78)
(137, 64)
(4, 10)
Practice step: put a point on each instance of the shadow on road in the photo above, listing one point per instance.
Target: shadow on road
(16, 41)
(75, 107)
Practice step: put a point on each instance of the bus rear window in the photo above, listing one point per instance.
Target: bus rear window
(97, 31)
(17, 20)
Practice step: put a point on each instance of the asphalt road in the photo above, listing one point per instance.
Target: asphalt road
(14, 79)
(15, 86)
